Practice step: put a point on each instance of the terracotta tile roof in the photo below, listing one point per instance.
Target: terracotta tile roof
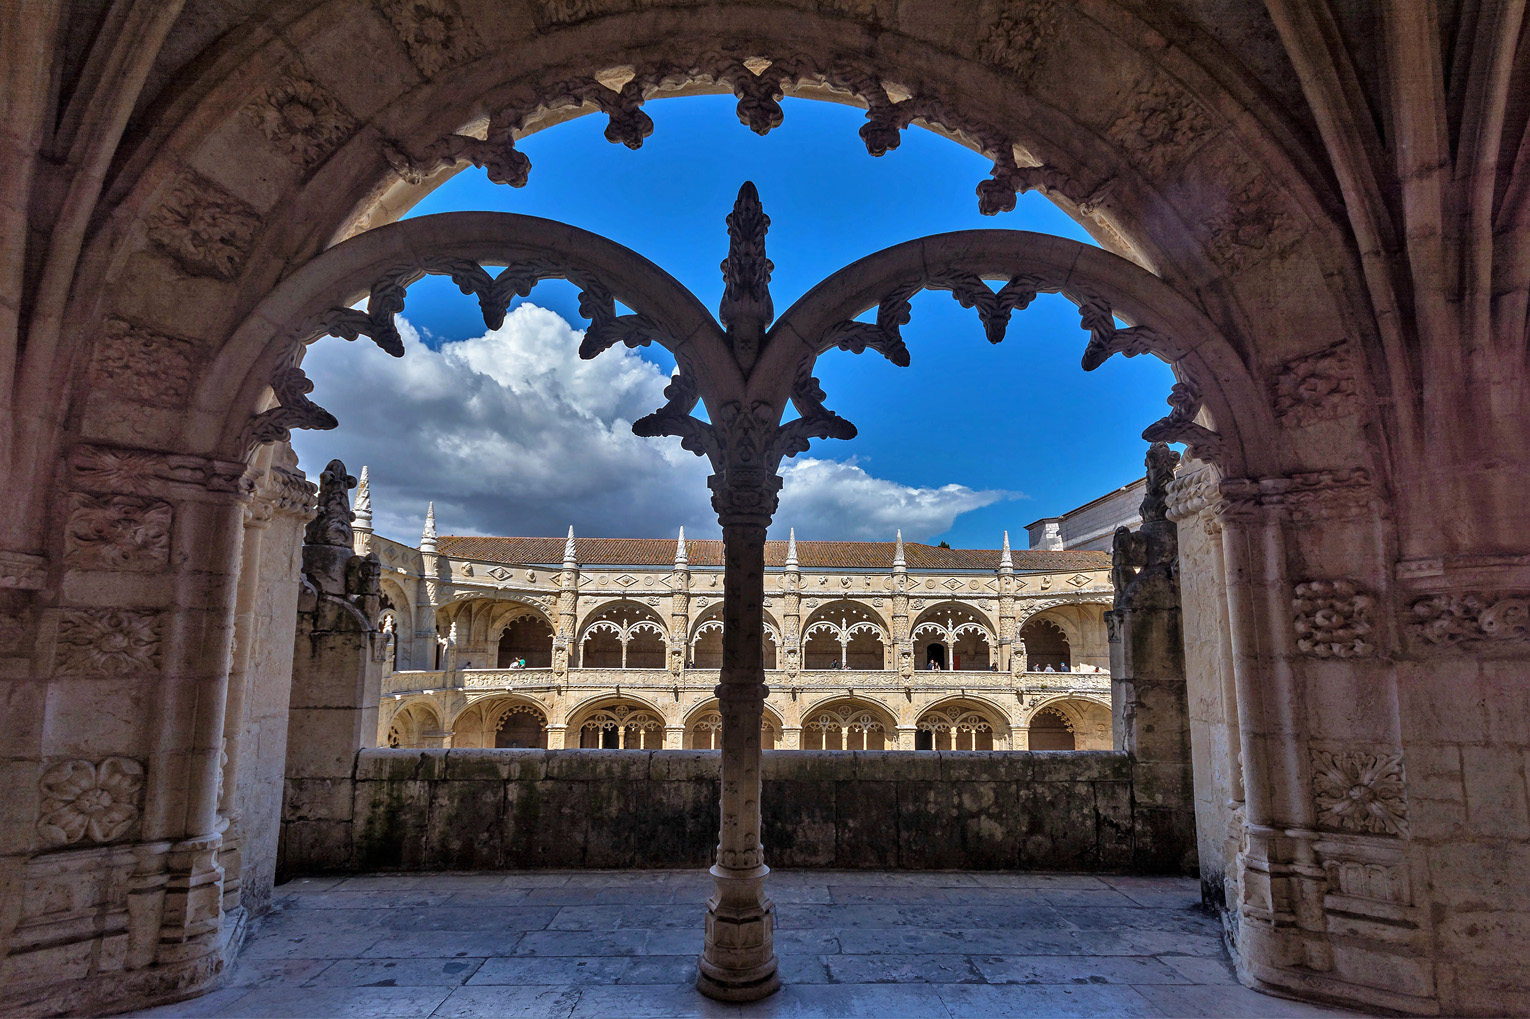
(847, 555)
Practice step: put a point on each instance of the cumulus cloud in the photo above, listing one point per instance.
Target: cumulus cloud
(511, 433)
(832, 499)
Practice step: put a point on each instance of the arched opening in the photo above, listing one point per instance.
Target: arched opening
(704, 729)
(521, 726)
(409, 724)
(1050, 729)
(955, 637)
(1046, 646)
(620, 725)
(844, 635)
(848, 725)
(526, 639)
(961, 725)
(624, 635)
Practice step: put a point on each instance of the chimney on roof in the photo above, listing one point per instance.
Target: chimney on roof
(1006, 561)
(681, 562)
(899, 563)
(791, 549)
(570, 556)
(428, 536)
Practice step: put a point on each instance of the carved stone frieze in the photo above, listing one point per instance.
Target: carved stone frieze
(1359, 791)
(1471, 617)
(115, 470)
(1364, 879)
(1017, 32)
(204, 227)
(1314, 495)
(553, 13)
(434, 33)
(1160, 126)
(84, 801)
(139, 364)
(117, 532)
(1333, 619)
(108, 642)
(1316, 387)
(287, 491)
(302, 118)
(1192, 491)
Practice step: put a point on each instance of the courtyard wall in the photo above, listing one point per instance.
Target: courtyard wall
(491, 809)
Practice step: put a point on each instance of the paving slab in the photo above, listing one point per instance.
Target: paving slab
(579, 944)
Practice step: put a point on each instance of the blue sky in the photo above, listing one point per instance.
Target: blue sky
(970, 440)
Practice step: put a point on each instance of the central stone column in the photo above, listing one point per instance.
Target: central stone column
(738, 962)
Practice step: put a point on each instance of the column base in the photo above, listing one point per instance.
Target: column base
(730, 986)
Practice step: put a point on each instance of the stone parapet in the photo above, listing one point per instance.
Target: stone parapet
(491, 809)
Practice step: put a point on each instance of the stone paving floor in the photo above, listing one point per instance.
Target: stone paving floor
(624, 943)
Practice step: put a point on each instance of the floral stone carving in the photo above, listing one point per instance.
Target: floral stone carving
(1333, 619)
(434, 33)
(1159, 126)
(1017, 34)
(85, 802)
(1253, 225)
(1452, 618)
(1315, 387)
(117, 532)
(205, 228)
(301, 118)
(107, 642)
(141, 365)
(1359, 791)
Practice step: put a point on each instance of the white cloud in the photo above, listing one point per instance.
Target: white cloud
(511, 433)
(829, 499)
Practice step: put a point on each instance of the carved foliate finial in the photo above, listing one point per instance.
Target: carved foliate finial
(898, 560)
(791, 549)
(364, 502)
(680, 558)
(1161, 461)
(746, 309)
(570, 554)
(428, 536)
(1006, 561)
(332, 526)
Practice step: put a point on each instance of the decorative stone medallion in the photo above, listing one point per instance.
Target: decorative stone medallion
(1359, 791)
(89, 802)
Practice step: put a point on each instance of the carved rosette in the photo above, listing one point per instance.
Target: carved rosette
(205, 228)
(1333, 619)
(139, 364)
(1316, 387)
(433, 32)
(1016, 34)
(1252, 226)
(300, 117)
(117, 532)
(1472, 617)
(1359, 791)
(89, 802)
(108, 642)
(1160, 126)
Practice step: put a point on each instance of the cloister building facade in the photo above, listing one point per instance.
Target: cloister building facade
(616, 643)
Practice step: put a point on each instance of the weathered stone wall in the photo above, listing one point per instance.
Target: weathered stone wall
(479, 809)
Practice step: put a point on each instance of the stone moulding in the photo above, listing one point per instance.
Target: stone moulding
(142, 365)
(111, 469)
(1333, 619)
(1359, 791)
(23, 571)
(1472, 617)
(84, 801)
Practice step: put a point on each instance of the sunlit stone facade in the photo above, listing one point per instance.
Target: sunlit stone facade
(617, 643)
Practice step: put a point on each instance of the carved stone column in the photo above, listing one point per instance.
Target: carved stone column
(1149, 696)
(1006, 606)
(791, 609)
(738, 962)
(565, 640)
(679, 614)
(900, 636)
